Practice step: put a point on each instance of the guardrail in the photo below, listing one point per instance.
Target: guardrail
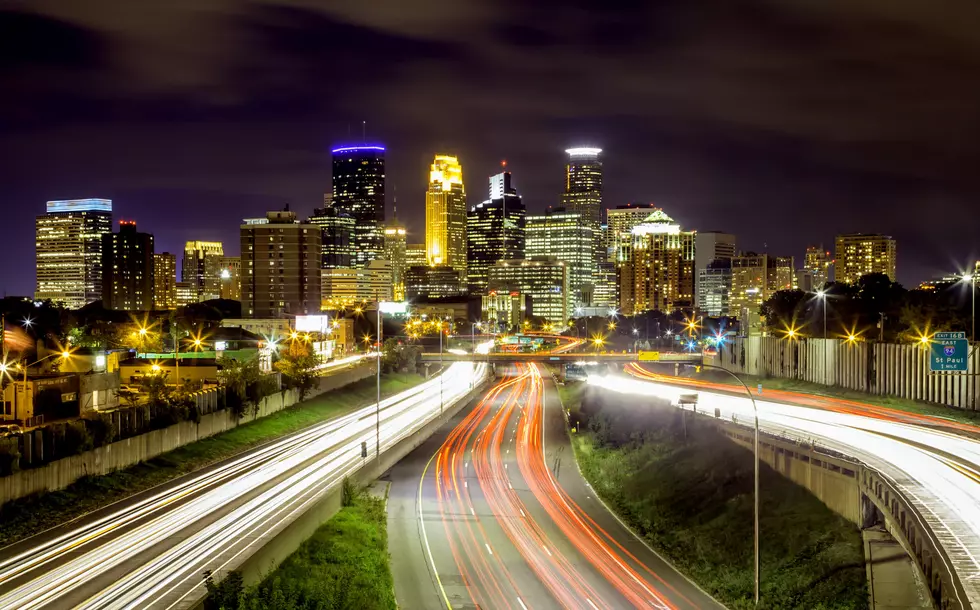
(864, 496)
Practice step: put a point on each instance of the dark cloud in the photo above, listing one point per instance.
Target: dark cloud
(785, 122)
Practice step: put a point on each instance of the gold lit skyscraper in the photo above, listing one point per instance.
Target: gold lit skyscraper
(445, 215)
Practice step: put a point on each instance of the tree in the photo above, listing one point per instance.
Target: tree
(242, 379)
(299, 371)
(786, 309)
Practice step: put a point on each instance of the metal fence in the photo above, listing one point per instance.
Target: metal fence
(887, 369)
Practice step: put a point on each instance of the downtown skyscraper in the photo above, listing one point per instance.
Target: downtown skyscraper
(127, 269)
(445, 215)
(495, 231)
(359, 192)
(583, 193)
(68, 245)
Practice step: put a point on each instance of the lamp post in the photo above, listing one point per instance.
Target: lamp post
(755, 450)
(973, 305)
(383, 307)
(441, 365)
(822, 296)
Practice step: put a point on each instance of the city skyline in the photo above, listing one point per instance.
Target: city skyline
(795, 249)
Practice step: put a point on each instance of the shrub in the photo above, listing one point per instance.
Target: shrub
(9, 458)
(100, 428)
(77, 439)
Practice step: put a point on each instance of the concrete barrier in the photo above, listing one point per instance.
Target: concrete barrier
(271, 552)
(864, 497)
(127, 452)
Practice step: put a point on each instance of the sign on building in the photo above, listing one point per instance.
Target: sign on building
(948, 353)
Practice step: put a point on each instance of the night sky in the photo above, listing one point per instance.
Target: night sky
(784, 122)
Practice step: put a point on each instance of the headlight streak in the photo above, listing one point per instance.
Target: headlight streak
(936, 470)
(320, 457)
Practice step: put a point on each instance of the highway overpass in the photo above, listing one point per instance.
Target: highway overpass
(561, 357)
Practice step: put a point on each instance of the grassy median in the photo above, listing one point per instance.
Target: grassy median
(687, 489)
(28, 516)
(344, 564)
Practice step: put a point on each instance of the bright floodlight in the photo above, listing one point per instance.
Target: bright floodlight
(967, 277)
(65, 354)
(821, 293)
(583, 151)
(392, 307)
(924, 339)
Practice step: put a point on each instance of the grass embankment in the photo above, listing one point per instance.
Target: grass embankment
(343, 565)
(817, 389)
(28, 516)
(688, 490)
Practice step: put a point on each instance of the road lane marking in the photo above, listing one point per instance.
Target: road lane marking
(489, 550)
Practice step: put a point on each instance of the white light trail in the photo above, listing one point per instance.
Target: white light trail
(164, 543)
(938, 472)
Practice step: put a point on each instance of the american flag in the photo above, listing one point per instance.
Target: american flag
(15, 339)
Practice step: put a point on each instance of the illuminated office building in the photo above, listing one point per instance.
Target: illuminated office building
(201, 268)
(395, 236)
(415, 255)
(543, 283)
(583, 186)
(605, 289)
(445, 215)
(127, 269)
(280, 267)
(711, 246)
(495, 231)
(715, 287)
(164, 280)
(583, 194)
(359, 192)
(336, 235)
(565, 235)
(860, 254)
(68, 247)
(428, 282)
(658, 273)
(619, 227)
(186, 293)
(345, 287)
(231, 278)
(755, 278)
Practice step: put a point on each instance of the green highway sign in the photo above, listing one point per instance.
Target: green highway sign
(948, 353)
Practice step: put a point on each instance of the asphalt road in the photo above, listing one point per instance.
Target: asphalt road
(492, 512)
(151, 550)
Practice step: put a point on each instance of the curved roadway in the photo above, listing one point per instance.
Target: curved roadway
(493, 513)
(935, 462)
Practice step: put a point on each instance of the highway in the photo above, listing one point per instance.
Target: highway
(151, 550)
(935, 462)
(492, 513)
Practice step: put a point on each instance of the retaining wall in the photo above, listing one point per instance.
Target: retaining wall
(122, 454)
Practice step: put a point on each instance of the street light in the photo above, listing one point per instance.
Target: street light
(383, 308)
(755, 449)
(973, 305)
(822, 297)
